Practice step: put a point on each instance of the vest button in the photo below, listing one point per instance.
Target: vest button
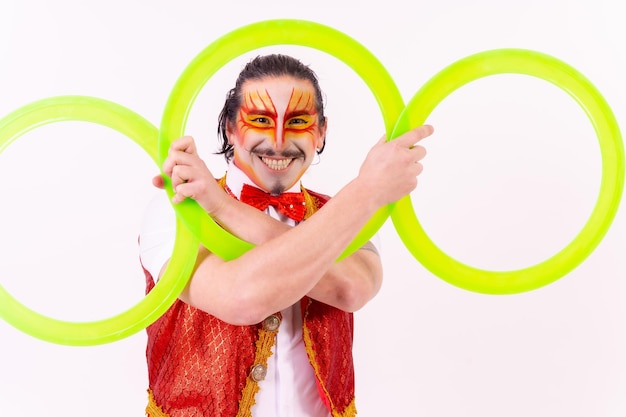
(271, 323)
(258, 372)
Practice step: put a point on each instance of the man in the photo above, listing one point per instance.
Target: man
(270, 333)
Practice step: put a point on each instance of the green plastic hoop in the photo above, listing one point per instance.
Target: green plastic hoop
(236, 43)
(516, 61)
(171, 284)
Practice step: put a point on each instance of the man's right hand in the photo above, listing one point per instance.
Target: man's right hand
(391, 168)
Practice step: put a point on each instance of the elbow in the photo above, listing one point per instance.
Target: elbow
(244, 310)
(243, 317)
(240, 317)
(359, 282)
(351, 298)
(238, 309)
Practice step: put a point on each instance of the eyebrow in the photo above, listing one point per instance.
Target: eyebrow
(296, 113)
(261, 112)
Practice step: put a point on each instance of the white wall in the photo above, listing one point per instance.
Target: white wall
(511, 176)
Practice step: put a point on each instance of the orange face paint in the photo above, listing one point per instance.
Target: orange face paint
(276, 132)
(258, 113)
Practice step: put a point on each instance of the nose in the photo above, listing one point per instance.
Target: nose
(279, 139)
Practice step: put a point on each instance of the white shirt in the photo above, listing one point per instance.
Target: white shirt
(289, 388)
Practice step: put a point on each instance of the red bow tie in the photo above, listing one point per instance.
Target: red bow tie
(289, 204)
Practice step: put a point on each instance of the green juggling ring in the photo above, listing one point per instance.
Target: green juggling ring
(153, 305)
(516, 61)
(376, 77)
(236, 43)
(194, 226)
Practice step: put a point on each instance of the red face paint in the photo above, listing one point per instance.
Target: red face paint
(276, 132)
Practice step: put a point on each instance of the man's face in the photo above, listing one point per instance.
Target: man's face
(276, 132)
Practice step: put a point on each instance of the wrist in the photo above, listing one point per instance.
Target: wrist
(362, 191)
(215, 204)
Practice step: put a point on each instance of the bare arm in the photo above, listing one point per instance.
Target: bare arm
(350, 283)
(288, 263)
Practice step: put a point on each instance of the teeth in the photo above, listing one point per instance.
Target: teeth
(276, 164)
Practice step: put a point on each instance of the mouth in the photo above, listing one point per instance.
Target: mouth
(276, 164)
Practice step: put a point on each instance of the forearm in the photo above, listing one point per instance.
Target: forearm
(248, 223)
(315, 244)
(279, 272)
(285, 264)
(350, 283)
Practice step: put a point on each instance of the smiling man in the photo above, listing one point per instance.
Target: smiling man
(269, 333)
(281, 135)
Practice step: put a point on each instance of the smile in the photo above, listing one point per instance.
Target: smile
(276, 164)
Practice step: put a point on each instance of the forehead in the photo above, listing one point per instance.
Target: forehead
(277, 88)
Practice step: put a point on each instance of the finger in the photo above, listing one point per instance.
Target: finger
(179, 194)
(180, 175)
(181, 158)
(418, 168)
(410, 138)
(419, 152)
(183, 191)
(176, 158)
(168, 166)
(184, 144)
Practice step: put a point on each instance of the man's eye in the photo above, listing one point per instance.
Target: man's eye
(260, 121)
(301, 122)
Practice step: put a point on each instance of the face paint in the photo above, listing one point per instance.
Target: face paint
(277, 132)
(259, 113)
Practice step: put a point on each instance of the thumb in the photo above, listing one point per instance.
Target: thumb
(158, 181)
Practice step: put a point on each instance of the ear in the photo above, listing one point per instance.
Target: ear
(322, 138)
(230, 131)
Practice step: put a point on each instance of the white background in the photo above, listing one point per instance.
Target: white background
(512, 174)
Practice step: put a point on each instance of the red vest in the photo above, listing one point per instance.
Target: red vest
(198, 365)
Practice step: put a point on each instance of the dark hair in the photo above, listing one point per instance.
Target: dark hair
(274, 65)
